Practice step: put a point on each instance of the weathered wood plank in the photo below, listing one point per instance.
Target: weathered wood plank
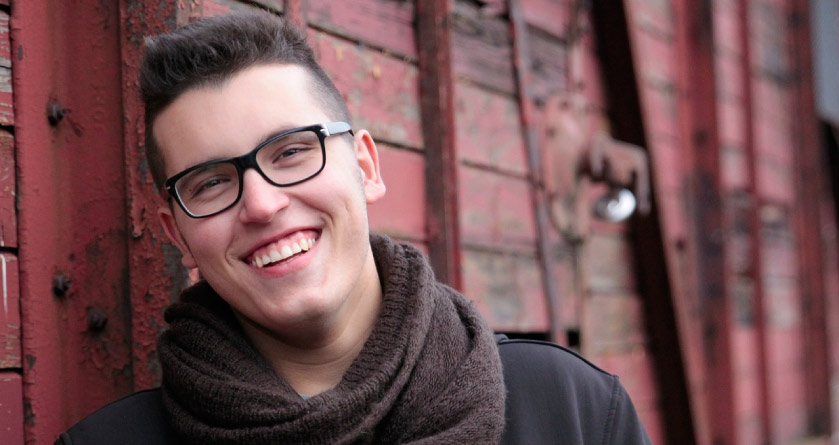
(548, 15)
(9, 312)
(496, 211)
(656, 16)
(732, 122)
(7, 114)
(11, 407)
(548, 70)
(661, 109)
(606, 262)
(8, 208)
(660, 50)
(729, 71)
(482, 48)
(401, 213)
(382, 92)
(613, 324)
(667, 159)
(506, 289)
(382, 23)
(488, 129)
(776, 241)
(775, 180)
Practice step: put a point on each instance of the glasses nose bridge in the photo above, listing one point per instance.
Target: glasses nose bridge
(245, 162)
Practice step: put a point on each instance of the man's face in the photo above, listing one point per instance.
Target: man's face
(220, 122)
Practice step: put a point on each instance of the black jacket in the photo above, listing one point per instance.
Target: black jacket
(553, 396)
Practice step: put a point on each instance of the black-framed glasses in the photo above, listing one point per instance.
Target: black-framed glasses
(285, 159)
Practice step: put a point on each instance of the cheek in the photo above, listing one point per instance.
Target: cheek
(208, 239)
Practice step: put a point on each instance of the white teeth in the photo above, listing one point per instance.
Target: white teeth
(275, 256)
(302, 245)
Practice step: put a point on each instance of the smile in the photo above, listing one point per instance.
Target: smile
(282, 250)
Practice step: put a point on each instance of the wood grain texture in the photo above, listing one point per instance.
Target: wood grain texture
(496, 211)
(488, 130)
(482, 48)
(550, 16)
(382, 92)
(506, 289)
(8, 203)
(401, 212)
(10, 333)
(11, 407)
(385, 24)
(7, 113)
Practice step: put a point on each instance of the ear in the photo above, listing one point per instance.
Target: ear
(170, 226)
(368, 161)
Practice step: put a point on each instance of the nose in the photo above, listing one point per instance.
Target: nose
(260, 200)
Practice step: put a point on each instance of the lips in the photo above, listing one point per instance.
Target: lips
(283, 249)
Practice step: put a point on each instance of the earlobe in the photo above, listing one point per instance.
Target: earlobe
(368, 160)
(170, 226)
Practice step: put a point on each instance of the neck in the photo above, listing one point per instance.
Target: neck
(316, 357)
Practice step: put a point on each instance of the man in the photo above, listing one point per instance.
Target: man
(307, 329)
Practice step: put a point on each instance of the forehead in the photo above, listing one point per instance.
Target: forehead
(229, 119)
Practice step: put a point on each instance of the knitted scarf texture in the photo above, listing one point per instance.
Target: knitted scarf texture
(428, 373)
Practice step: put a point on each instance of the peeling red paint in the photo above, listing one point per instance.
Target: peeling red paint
(155, 274)
(71, 201)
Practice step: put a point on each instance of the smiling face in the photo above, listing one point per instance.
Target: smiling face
(313, 236)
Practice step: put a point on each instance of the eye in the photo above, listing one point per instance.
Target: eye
(210, 183)
(289, 152)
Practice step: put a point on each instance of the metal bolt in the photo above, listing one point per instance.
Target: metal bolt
(96, 319)
(60, 285)
(55, 113)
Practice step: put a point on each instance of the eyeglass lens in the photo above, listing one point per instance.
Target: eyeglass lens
(289, 159)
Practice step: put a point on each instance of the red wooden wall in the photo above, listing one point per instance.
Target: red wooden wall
(11, 382)
(714, 309)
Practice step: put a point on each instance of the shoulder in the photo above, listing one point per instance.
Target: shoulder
(137, 418)
(550, 366)
(553, 391)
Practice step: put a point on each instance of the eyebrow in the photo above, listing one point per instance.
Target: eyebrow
(277, 130)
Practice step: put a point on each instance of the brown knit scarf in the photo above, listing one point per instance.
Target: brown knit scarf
(429, 373)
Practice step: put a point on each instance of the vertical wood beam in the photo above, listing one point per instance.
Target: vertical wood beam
(670, 340)
(810, 190)
(755, 239)
(438, 119)
(71, 212)
(527, 113)
(155, 275)
(707, 232)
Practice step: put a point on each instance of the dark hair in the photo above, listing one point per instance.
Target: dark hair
(209, 52)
